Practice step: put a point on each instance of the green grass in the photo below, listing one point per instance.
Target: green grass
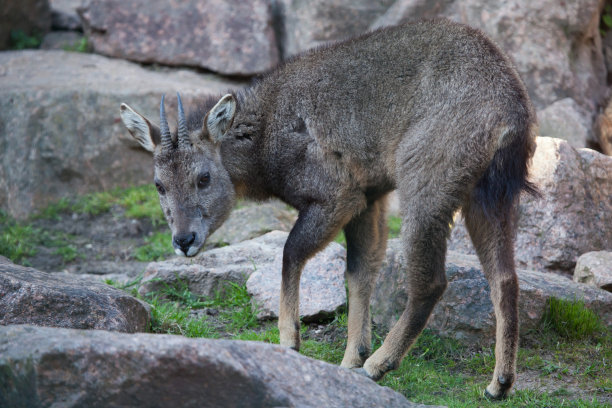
(19, 40)
(19, 241)
(157, 247)
(571, 318)
(138, 202)
(81, 45)
(16, 241)
(435, 371)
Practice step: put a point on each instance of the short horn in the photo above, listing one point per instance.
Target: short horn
(166, 138)
(183, 137)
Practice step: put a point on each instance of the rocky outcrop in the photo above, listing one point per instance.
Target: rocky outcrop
(564, 119)
(574, 215)
(59, 120)
(305, 25)
(64, 15)
(232, 38)
(595, 269)
(465, 311)
(253, 220)
(556, 49)
(59, 367)
(28, 17)
(29, 296)
(322, 289)
(258, 263)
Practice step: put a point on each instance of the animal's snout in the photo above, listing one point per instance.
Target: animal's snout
(184, 241)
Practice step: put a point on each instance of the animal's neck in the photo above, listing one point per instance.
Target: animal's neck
(242, 152)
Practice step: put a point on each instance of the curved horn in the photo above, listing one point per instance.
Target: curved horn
(183, 137)
(166, 138)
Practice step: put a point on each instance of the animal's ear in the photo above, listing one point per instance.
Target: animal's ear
(219, 119)
(141, 129)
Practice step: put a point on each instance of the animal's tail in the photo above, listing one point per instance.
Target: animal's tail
(506, 176)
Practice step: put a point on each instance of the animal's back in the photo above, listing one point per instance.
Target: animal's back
(416, 90)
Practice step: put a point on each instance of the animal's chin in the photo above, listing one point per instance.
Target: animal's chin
(193, 251)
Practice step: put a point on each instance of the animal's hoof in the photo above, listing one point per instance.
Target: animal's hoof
(499, 397)
(361, 371)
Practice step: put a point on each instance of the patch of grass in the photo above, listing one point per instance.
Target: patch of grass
(130, 287)
(237, 308)
(174, 318)
(157, 247)
(606, 19)
(81, 45)
(395, 226)
(570, 319)
(21, 41)
(18, 241)
(142, 202)
(270, 335)
(138, 202)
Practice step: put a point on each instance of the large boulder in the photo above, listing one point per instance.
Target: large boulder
(566, 120)
(64, 14)
(59, 121)
(465, 311)
(252, 220)
(29, 296)
(322, 289)
(557, 49)
(595, 268)
(257, 263)
(308, 24)
(574, 215)
(232, 38)
(41, 367)
(27, 17)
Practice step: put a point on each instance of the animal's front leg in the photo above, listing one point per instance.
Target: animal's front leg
(314, 229)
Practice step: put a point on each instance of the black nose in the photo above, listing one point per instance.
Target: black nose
(184, 241)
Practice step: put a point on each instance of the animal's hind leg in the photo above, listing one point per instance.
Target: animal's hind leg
(493, 238)
(366, 241)
(425, 228)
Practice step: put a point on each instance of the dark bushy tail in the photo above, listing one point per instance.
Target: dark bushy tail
(506, 176)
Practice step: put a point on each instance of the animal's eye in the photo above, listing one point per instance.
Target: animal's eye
(203, 180)
(160, 189)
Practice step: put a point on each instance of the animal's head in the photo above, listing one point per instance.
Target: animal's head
(195, 190)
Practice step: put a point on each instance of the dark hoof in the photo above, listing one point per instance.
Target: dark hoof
(490, 397)
(361, 371)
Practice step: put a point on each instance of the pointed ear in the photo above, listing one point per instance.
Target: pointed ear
(219, 119)
(145, 133)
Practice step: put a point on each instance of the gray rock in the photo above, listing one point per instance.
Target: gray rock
(28, 296)
(595, 269)
(322, 289)
(257, 263)
(31, 17)
(62, 40)
(557, 49)
(59, 119)
(64, 14)
(307, 24)
(566, 120)
(465, 311)
(235, 38)
(71, 368)
(573, 217)
(210, 271)
(252, 221)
